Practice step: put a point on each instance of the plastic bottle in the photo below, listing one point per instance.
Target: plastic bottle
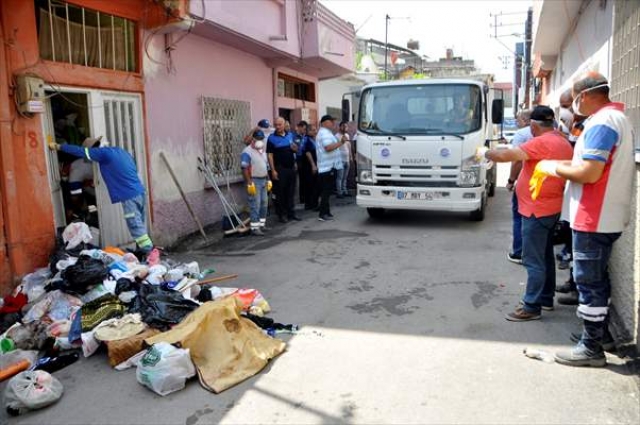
(53, 364)
(539, 355)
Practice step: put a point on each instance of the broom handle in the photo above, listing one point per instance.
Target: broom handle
(218, 279)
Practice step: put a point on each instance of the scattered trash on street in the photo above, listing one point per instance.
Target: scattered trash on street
(138, 308)
(533, 353)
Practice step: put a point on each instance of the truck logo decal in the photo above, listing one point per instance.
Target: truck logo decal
(445, 152)
(415, 161)
(385, 152)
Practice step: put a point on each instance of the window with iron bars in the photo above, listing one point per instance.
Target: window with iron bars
(81, 36)
(225, 122)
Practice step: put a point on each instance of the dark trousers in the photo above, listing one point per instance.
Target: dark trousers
(537, 258)
(311, 187)
(591, 253)
(285, 188)
(302, 187)
(326, 186)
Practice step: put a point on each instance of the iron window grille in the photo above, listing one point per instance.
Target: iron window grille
(225, 123)
(81, 36)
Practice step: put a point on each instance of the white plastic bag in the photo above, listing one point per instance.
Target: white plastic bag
(165, 368)
(33, 283)
(31, 390)
(75, 234)
(16, 356)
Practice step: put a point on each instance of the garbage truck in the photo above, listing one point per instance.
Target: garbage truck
(417, 143)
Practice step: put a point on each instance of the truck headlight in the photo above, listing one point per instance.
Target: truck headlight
(365, 175)
(470, 172)
(470, 177)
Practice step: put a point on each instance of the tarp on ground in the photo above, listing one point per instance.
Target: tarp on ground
(225, 347)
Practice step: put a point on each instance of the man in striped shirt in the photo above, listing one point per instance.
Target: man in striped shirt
(329, 160)
(597, 205)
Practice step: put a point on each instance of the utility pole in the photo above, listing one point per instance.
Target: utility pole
(386, 44)
(527, 57)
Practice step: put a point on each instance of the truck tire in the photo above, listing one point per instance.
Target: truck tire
(479, 214)
(491, 191)
(375, 212)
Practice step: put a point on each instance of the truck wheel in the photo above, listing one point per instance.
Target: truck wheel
(491, 191)
(478, 215)
(375, 212)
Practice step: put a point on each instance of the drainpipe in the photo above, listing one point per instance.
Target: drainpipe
(275, 92)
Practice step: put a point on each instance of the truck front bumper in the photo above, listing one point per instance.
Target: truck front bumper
(420, 198)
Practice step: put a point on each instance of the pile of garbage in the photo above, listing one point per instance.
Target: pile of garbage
(154, 314)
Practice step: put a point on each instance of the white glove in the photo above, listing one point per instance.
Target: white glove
(548, 167)
(480, 153)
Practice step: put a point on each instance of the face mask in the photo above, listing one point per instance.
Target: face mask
(258, 144)
(576, 104)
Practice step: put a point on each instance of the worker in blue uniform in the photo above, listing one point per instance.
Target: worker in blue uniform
(120, 175)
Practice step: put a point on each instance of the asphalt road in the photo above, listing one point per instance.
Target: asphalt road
(402, 322)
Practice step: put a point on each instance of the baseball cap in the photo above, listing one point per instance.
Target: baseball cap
(258, 135)
(264, 123)
(542, 113)
(326, 118)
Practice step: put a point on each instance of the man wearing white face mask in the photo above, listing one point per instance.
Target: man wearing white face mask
(597, 205)
(255, 170)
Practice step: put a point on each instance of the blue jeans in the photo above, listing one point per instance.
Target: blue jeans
(258, 203)
(341, 179)
(538, 259)
(516, 247)
(136, 217)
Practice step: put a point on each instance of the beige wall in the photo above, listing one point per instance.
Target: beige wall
(625, 277)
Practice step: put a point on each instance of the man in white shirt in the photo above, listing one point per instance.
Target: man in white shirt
(329, 160)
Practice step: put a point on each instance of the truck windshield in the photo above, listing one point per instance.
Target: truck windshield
(421, 109)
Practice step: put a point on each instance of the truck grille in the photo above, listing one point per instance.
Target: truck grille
(416, 175)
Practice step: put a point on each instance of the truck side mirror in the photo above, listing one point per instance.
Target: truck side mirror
(346, 110)
(497, 111)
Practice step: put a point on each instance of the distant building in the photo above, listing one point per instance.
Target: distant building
(449, 66)
(372, 57)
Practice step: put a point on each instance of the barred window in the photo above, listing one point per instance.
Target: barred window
(81, 36)
(226, 122)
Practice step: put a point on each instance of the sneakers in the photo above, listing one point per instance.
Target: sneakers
(570, 299)
(566, 287)
(580, 355)
(608, 344)
(517, 259)
(257, 232)
(325, 217)
(544, 307)
(520, 315)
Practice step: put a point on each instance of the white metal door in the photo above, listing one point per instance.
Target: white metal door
(53, 169)
(118, 118)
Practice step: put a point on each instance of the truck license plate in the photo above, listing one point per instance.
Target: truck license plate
(417, 196)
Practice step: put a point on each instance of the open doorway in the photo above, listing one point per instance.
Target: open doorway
(70, 118)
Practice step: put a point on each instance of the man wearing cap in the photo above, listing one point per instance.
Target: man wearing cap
(255, 170)
(539, 214)
(263, 125)
(120, 175)
(329, 160)
(281, 154)
(598, 207)
(300, 138)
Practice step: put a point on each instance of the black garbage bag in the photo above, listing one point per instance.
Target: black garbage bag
(80, 277)
(126, 285)
(161, 308)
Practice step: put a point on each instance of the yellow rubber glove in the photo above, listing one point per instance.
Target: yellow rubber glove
(251, 189)
(52, 145)
(269, 186)
(543, 170)
(480, 153)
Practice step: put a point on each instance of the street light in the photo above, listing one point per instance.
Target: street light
(387, 18)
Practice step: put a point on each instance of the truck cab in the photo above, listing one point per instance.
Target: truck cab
(417, 142)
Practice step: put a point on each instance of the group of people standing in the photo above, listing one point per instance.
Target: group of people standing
(316, 160)
(589, 185)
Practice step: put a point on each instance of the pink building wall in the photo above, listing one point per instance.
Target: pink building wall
(174, 123)
(258, 20)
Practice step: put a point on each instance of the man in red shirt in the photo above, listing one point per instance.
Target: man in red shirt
(539, 216)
